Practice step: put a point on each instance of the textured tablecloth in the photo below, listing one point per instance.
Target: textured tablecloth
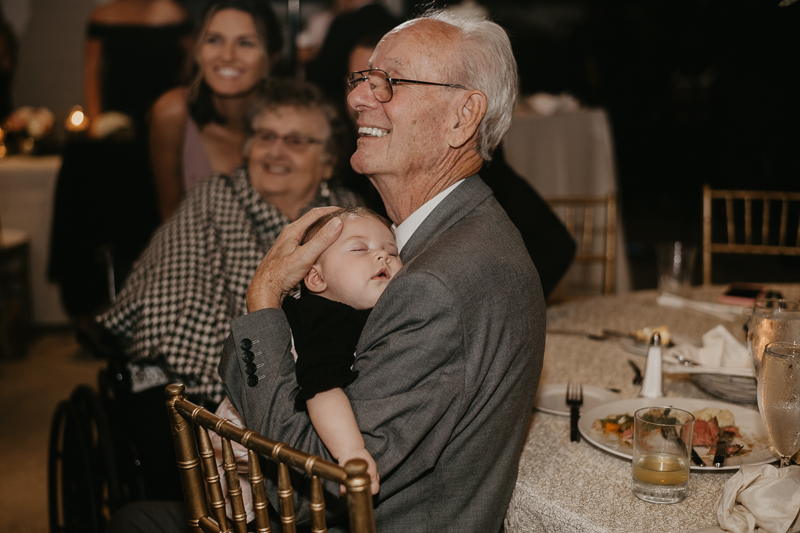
(27, 189)
(565, 486)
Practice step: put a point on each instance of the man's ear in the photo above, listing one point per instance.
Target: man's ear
(468, 118)
(314, 281)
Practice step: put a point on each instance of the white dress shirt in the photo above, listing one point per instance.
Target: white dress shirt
(406, 229)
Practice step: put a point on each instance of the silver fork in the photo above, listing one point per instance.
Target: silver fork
(574, 401)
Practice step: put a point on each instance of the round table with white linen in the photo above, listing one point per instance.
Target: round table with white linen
(568, 486)
(27, 191)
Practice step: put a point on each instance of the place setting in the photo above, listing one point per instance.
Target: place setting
(726, 435)
(668, 438)
(701, 435)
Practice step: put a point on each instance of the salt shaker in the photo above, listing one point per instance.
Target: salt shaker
(652, 384)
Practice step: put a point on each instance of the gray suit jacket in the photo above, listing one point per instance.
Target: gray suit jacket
(449, 363)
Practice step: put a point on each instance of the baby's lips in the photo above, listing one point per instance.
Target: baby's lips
(383, 271)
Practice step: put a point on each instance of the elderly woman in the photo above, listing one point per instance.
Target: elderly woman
(173, 310)
(171, 316)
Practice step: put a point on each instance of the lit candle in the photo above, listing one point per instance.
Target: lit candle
(77, 120)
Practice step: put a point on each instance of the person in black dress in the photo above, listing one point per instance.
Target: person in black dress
(136, 50)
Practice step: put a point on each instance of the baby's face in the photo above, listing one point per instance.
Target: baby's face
(359, 264)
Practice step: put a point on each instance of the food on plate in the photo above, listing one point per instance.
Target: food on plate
(621, 425)
(643, 335)
(709, 425)
(723, 416)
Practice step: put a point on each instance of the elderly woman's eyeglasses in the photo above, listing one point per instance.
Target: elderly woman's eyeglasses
(295, 142)
(381, 84)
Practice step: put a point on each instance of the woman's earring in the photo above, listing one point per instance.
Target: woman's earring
(324, 191)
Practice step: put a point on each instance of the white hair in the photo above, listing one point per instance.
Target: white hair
(485, 62)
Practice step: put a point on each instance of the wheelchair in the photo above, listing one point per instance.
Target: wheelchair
(99, 455)
(86, 480)
(96, 464)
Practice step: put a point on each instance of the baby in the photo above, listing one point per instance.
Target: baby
(326, 321)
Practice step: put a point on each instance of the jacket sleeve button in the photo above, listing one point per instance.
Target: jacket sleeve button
(252, 380)
(245, 344)
(247, 356)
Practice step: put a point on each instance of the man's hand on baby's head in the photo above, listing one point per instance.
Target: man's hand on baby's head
(287, 262)
(372, 469)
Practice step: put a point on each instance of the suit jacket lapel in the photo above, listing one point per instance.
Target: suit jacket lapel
(453, 208)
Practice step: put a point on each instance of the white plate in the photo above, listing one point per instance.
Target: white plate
(640, 348)
(751, 427)
(552, 398)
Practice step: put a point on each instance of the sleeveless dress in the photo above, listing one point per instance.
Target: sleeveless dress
(194, 159)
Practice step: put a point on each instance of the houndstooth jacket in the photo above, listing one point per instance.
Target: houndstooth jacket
(174, 308)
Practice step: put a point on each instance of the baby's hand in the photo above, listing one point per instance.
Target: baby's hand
(372, 469)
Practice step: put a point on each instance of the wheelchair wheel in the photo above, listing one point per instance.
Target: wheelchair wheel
(72, 503)
(96, 429)
(83, 483)
(129, 477)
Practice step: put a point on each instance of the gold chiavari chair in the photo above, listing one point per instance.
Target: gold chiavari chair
(739, 208)
(203, 494)
(592, 222)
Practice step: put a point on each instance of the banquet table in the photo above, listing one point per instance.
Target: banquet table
(565, 486)
(569, 154)
(27, 190)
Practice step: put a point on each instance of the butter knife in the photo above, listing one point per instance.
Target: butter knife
(721, 452)
(696, 459)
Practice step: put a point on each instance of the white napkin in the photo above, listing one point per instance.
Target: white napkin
(720, 353)
(760, 498)
(723, 311)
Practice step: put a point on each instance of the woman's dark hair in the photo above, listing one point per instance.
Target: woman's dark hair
(201, 105)
(277, 93)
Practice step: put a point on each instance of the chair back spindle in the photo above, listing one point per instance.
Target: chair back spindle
(205, 498)
(743, 241)
(595, 235)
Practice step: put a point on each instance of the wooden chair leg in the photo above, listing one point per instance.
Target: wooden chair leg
(188, 461)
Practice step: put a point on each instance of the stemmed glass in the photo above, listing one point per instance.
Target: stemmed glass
(779, 396)
(773, 320)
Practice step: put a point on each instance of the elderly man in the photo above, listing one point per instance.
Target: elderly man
(450, 357)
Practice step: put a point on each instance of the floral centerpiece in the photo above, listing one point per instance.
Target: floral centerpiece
(27, 129)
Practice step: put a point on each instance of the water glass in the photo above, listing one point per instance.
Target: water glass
(662, 444)
(779, 397)
(773, 320)
(675, 266)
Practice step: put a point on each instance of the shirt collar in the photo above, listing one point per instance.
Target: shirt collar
(406, 229)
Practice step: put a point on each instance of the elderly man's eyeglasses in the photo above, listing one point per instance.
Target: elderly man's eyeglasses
(295, 142)
(381, 84)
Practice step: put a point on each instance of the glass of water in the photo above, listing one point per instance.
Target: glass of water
(779, 396)
(773, 320)
(662, 444)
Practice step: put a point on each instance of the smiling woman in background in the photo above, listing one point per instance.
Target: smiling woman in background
(197, 130)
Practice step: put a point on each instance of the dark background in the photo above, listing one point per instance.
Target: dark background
(697, 91)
